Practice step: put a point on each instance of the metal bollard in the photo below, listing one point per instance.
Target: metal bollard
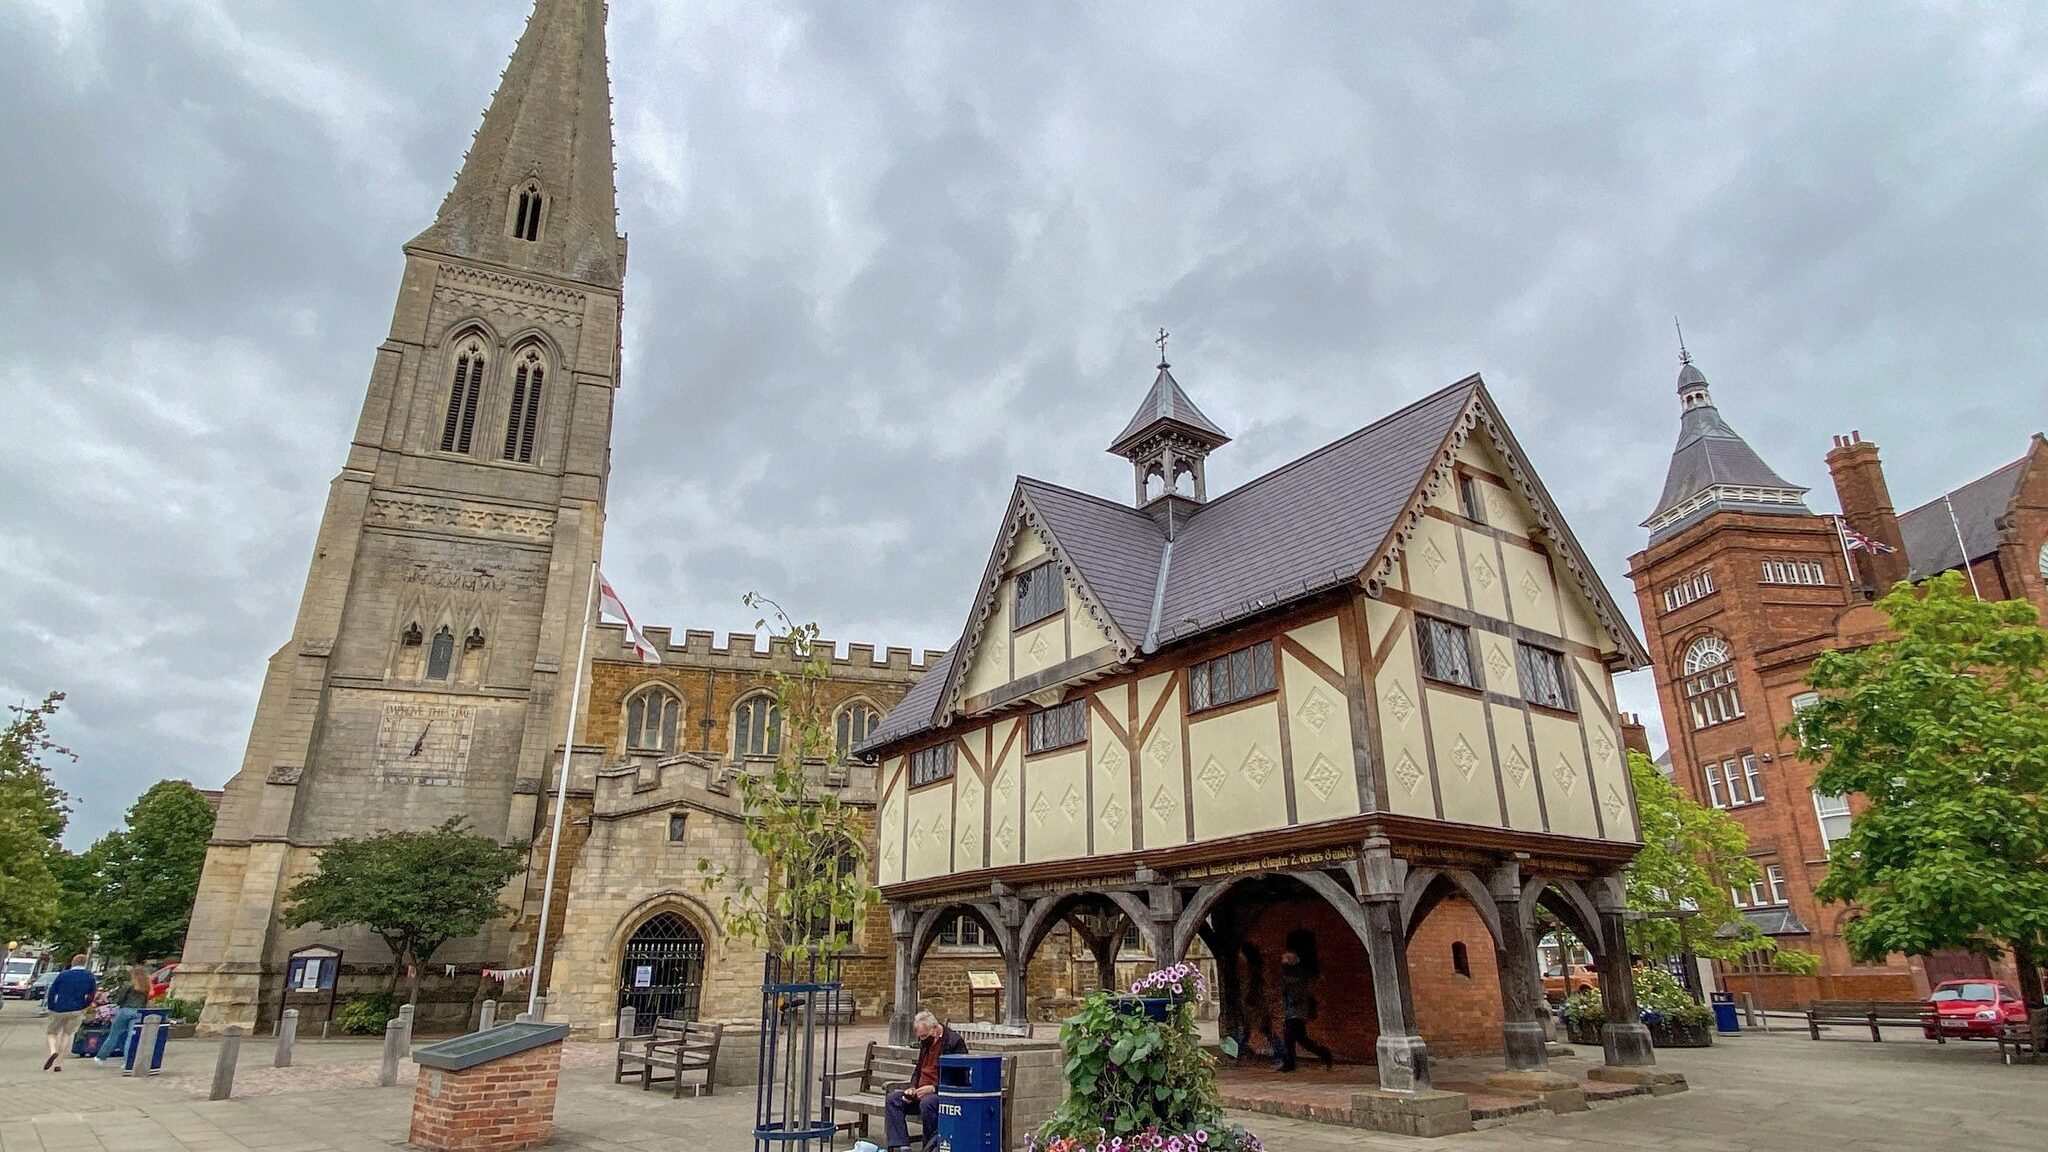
(224, 1064)
(487, 1019)
(287, 1033)
(628, 1023)
(145, 1048)
(394, 1043)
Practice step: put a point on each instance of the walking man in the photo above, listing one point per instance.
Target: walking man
(1297, 1008)
(69, 996)
(933, 1040)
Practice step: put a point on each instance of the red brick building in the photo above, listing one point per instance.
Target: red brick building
(1741, 586)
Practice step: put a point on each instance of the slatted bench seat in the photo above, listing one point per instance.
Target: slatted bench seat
(1873, 1014)
(674, 1047)
(864, 1091)
(2026, 1039)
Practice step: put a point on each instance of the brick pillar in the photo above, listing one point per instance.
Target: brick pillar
(1867, 506)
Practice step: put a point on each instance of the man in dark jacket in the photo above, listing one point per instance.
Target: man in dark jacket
(933, 1041)
(69, 996)
(1297, 1008)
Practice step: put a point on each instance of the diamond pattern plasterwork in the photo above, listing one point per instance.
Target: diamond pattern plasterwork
(1316, 709)
(1164, 805)
(1159, 751)
(1433, 556)
(967, 837)
(1517, 767)
(1322, 778)
(1567, 776)
(1113, 815)
(1040, 809)
(1614, 802)
(1530, 587)
(917, 834)
(889, 855)
(1464, 759)
(1070, 804)
(1005, 788)
(1483, 573)
(1497, 662)
(1257, 767)
(1006, 836)
(998, 650)
(1603, 745)
(1399, 706)
(1212, 776)
(1112, 760)
(1408, 772)
(1500, 510)
(1040, 646)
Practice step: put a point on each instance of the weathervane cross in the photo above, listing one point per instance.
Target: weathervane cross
(1162, 347)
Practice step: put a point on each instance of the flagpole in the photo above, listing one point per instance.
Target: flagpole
(547, 893)
(1842, 541)
(1962, 548)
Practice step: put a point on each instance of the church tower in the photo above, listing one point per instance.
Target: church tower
(426, 675)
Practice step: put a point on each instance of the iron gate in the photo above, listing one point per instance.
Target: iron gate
(662, 971)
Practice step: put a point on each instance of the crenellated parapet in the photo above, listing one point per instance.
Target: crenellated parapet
(746, 651)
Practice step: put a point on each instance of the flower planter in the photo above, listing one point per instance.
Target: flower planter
(1155, 1007)
(1671, 1034)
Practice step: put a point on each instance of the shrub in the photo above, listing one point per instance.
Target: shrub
(183, 1010)
(366, 1015)
(1656, 991)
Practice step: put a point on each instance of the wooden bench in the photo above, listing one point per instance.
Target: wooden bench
(676, 1047)
(883, 1069)
(2024, 1038)
(1873, 1014)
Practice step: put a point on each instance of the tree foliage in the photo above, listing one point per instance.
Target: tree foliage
(148, 873)
(414, 890)
(32, 816)
(1944, 730)
(1692, 856)
(813, 885)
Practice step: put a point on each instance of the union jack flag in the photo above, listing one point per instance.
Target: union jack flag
(1856, 541)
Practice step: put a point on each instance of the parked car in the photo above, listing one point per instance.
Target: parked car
(1971, 1009)
(19, 975)
(160, 980)
(41, 987)
(1574, 978)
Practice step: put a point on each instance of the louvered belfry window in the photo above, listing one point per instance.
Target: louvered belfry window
(526, 225)
(460, 426)
(525, 419)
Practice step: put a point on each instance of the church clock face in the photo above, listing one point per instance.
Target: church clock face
(424, 744)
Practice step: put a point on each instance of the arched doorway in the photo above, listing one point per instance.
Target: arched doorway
(661, 970)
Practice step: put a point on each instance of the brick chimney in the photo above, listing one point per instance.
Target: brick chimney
(1867, 506)
(1634, 736)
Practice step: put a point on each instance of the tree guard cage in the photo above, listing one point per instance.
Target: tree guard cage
(802, 1002)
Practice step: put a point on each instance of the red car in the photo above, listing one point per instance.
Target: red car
(1970, 1009)
(160, 980)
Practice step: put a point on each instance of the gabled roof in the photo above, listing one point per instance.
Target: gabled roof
(1930, 536)
(1338, 515)
(1166, 404)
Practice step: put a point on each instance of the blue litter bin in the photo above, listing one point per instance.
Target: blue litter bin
(1725, 1019)
(970, 1104)
(131, 1048)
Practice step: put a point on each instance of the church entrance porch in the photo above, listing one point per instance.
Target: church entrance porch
(661, 971)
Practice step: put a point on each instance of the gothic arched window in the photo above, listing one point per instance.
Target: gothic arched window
(528, 369)
(441, 655)
(852, 726)
(1710, 683)
(1704, 653)
(757, 727)
(462, 398)
(526, 222)
(651, 718)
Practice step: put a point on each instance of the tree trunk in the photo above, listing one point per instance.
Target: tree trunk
(2029, 973)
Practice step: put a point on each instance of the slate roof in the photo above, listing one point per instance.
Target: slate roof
(1930, 536)
(1163, 404)
(1769, 921)
(1314, 523)
(1709, 454)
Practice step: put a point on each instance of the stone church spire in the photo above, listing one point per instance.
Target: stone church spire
(536, 189)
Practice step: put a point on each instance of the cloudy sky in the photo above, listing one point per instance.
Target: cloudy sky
(886, 256)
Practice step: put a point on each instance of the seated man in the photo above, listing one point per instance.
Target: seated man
(933, 1040)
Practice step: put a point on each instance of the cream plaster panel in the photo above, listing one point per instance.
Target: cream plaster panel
(1400, 706)
(1497, 663)
(1042, 645)
(1609, 764)
(1025, 550)
(1114, 809)
(1517, 771)
(1379, 617)
(1504, 508)
(1088, 636)
(1433, 563)
(1581, 623)
(930, 850)
(1159, 757)
(1464, 759)
(1238, 786)
(1323, 639)
(1005, 815)
(890, 853)
(970, 836)
(1055, 806)
(1483, 574)
(1529, 586)
(1567, 788)
(1319, 726)
(991, 668)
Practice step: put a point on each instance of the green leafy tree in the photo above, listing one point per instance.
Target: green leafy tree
(1944, 729)
(78, 894)
(1692, 856)
(149, 872)
(415, 890)
(32, 816)
(814, 886)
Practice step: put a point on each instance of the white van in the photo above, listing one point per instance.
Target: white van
(20, 975)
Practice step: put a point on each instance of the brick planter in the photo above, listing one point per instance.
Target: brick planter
(494, 1106)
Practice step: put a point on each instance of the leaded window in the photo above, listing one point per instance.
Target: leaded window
(757, 727)
(1040, 593)
(1543, 676)
(651, 718)
(1446, 651)
(852, 725)
(1061, 726)
(929, 764)
(1231, 677)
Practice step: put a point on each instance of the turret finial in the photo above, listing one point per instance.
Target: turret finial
(1684, 357)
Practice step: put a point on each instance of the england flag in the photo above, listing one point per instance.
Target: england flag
(609, 604)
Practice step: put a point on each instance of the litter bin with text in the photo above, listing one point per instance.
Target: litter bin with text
(1725, 1020)
(970, 1104)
